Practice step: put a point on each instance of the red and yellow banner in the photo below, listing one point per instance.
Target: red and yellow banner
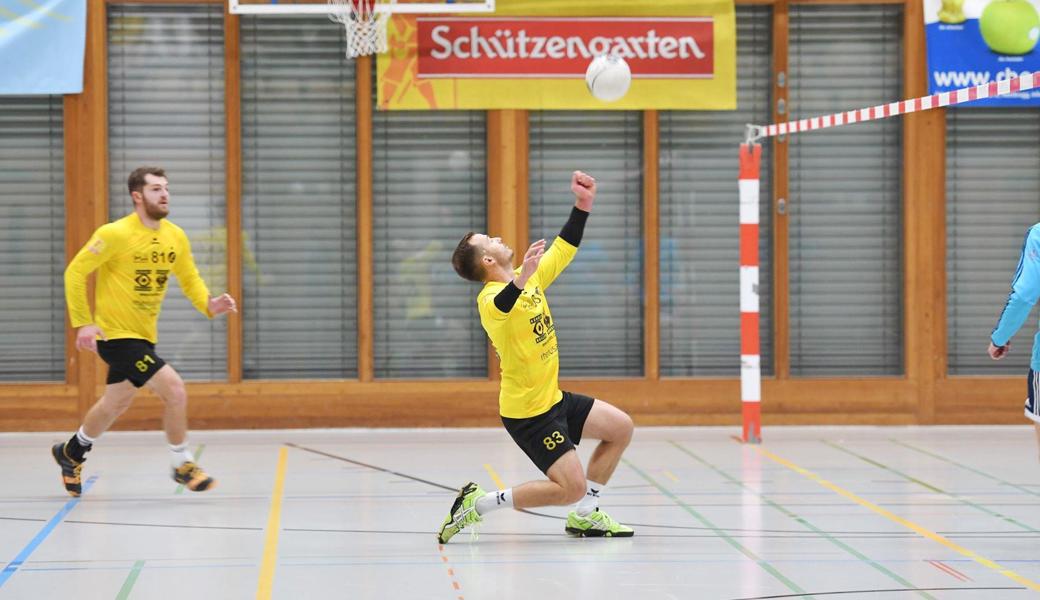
(532, 54)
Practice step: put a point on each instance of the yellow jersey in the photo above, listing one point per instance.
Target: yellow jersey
(133, 263)
(525, 338)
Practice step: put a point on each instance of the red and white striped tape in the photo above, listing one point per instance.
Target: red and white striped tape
(980, 92)
(750, 359)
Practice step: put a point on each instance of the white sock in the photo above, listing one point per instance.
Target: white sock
(494, 501)
(84, 440)
(590, 502)
(180, 454)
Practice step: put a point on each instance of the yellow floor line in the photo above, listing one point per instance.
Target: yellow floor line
(494, 476)
(982, 560)
(274, 520)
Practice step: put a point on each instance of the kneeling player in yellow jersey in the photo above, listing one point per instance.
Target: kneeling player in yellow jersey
(134, 258)
(544, 421)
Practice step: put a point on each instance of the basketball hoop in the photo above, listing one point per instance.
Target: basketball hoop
(364, 25)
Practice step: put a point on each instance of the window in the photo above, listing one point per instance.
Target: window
(299, 200)
(992, 174)
(699, 240)
(32, 219)
(846, 194)
(597, 303)
(166, 109)
(429, 190)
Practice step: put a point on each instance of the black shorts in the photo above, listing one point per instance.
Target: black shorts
(546, 437)
(1032, 407)
(129, 358)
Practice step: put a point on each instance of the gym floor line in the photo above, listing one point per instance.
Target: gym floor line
(357, 511)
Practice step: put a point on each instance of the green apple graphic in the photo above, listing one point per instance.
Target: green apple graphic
(1010, 26)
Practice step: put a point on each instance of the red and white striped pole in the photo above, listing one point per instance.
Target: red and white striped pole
(750, 360)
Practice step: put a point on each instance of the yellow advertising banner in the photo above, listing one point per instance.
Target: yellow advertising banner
(533, 54)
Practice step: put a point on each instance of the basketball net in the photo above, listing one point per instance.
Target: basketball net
(364, 25)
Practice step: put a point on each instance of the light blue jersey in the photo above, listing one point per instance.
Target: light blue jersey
(1025, 290)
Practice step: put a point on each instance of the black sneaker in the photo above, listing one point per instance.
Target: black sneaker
(70, 469)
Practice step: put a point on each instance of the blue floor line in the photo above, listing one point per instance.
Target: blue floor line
(42, 535)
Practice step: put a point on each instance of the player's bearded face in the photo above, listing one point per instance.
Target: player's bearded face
(156, 203)
(501, 253)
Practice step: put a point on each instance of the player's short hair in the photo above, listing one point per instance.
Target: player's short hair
(466, 259)
(136, 180)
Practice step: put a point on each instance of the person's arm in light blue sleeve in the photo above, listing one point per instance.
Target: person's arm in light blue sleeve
(1025, 290)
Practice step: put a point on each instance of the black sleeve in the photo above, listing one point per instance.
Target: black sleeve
(574, 227)
(505, 299)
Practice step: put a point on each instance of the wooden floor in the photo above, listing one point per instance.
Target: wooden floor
(940, 512)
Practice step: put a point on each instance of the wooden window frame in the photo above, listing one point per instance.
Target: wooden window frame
(908, 399)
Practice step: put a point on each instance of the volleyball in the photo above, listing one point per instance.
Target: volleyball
(608, 77)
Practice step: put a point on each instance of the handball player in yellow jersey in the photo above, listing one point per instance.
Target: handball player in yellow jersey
(134, 258)
(544, 421)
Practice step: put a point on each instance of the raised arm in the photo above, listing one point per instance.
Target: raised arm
(506, 299)
(559, 256)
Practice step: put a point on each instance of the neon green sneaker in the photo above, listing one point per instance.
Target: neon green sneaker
(596, 524)
(463, 512)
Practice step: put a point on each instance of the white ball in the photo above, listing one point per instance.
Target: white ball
(608, 77)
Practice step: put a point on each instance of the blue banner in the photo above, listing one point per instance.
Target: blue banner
(41, 46)
(972, 42)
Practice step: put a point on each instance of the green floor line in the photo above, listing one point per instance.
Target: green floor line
(931, 487)
(198, 453)
(837, 542)
(722, 534)
(131, 579)
(964, 466)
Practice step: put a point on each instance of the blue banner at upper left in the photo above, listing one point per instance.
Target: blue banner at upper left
(41, 46)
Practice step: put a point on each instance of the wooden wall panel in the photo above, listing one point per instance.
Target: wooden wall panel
(233, 184)
(39, 407)
(521, 170)
(86, 181)
(925, 395)
(464, 403)
(365, 220)
(507, 212)
(971, 400)
(651, 249)
(924, 223)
